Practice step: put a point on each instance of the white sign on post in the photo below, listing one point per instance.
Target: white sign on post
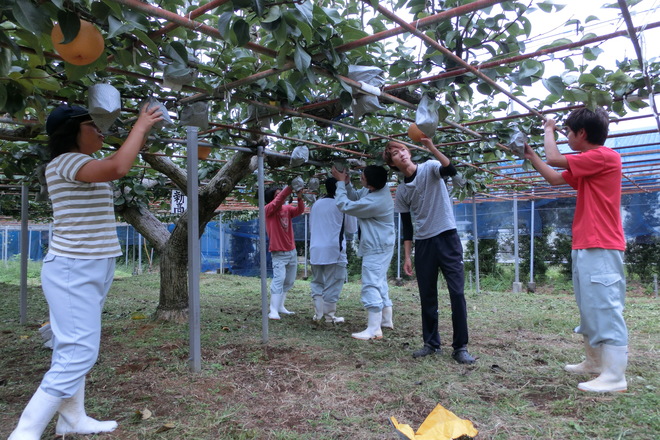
(179, 202)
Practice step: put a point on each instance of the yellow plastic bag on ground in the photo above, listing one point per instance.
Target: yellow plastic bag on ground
(441, 424)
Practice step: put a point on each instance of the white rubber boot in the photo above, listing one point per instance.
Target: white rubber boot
(387, 318)
(318, 307)
(592, 363)
(373, 331)
(74, 420)
(282, 309)
(275, 301)
(36, 416)
(613, 377)
(329, 310)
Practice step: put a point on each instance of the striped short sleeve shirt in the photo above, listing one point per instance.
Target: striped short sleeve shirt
(83, 213)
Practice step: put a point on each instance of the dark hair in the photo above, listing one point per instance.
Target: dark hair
(595, 124)
(65, 138)
(376, 176)
(331, 186)
(387, 153)
(269, 194)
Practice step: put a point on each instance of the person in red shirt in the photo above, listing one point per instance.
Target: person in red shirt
(282, 246)
(598, 243)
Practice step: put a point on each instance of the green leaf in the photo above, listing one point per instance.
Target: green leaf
(588, 78)
(224, 24)
(42, 80)
(345, 98)
(527, 25)
(176, 70)
(620, 76)
(559, 42)
(140, 189)
(15, 100)
(465, 93)
(602, 98)
(288, 89)
(70, 26)
(242, 31)
(117, 27)
(30, 17)
(568, 63)
(116, 7)
(75, 73)
(575, 95)
(100, 11)
(363, 138)
(285, 127)
(259, 7)
(555, 85)
(306, 10)
(3, 97)
(177, 51)
(306, 31)
(618, 108)
(591, 53)
(274, 14)
(484, 88)
(442, 112)
(530, 68)
(6, 41)
(144, 38)
(333, 15)
(635, 104)
(5, 61)
(302, 59)
(280, 33)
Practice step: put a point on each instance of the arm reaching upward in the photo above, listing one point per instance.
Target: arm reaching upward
(553, 156)
(119, 164)
(548, 173)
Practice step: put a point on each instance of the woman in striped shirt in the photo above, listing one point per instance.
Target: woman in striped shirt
(77, 271)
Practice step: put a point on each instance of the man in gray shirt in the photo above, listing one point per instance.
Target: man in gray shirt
(424, 194)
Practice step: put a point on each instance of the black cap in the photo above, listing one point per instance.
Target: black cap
(61, 115)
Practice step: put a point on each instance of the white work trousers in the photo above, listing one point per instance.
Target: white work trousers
(375, 292)
(328, 280)
(75, 290)
(285, 267)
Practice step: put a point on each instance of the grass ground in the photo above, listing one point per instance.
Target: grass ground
(313, 381)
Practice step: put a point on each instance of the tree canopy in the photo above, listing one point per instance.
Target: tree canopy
(282, 66)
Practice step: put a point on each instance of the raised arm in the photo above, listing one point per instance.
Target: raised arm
(278, 201)
(549, 174)
(120, 163)
(428, 143)
(362, 208)
(300, 208)
(552, 155)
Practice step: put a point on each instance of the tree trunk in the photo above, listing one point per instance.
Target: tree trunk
(173, 248)
(173, 300)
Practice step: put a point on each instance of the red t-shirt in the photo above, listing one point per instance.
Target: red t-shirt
(278, 221)
(596, 175)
